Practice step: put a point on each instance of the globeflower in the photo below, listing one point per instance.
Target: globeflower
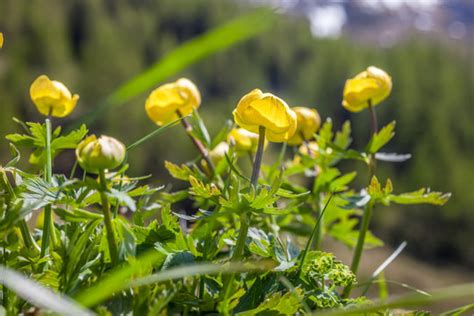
(244, 141)
(257, 109)
(1, 39)
(95, 154)
(309, 122)
(372, 85)
(52, 97)
(172, 100)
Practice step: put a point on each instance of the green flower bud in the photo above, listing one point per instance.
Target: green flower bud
(95, 154)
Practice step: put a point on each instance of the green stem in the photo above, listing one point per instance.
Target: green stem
(367, 216)
(113, 250)
(258, 157)
(245, 217)
(313, 235)
(360, 243)
(374, 127)
(200, 147)
(48, 224)
(320, 218)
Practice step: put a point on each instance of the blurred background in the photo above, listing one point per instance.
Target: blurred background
(305, 55)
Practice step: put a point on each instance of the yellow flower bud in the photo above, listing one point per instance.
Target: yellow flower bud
(244, 141)
(95, 154)
(52, 97)
(1, 39)
(257, 109)
(217, 154)
(164, 102)
(373, 84)
(309, 122)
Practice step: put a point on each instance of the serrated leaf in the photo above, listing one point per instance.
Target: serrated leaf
(70, 140)
(278, 304)
(343, 137)
(325, 134)
(421, 196)
(178, 172)
(375, 188)
(206, 191)
(381, 138)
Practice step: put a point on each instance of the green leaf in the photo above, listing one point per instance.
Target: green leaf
(188, 53)
(346, 232)
(70, 140)
(222, 135)
(340, 184)
(343, 137)
(122, 198)
(38, 295)
(381, 138)
(420, 197)
(278, 304)
(182, 172)
(121, 278)
(206, 191)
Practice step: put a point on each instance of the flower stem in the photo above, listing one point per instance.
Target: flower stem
(360, 243)
(368, 208)
(48, 224)
(200, 147)
(108, 219)
(258, 156)
(244, 216)
(374, 127)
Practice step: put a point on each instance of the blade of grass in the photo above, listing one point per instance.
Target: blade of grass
(201, 269)
(459, 311)
(188, 53)
(384, 265)
(156, 132)
(401, 284)
(38, 295)
(409, 300)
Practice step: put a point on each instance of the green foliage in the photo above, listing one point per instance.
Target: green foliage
(215, 244)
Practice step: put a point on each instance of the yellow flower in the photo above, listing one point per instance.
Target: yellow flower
(165, 101)
(52, 97)
(94, 154)
(373, 84)
(308, 123)
(244, 141)
(257, 109)
(218, 152)
(1, 39)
